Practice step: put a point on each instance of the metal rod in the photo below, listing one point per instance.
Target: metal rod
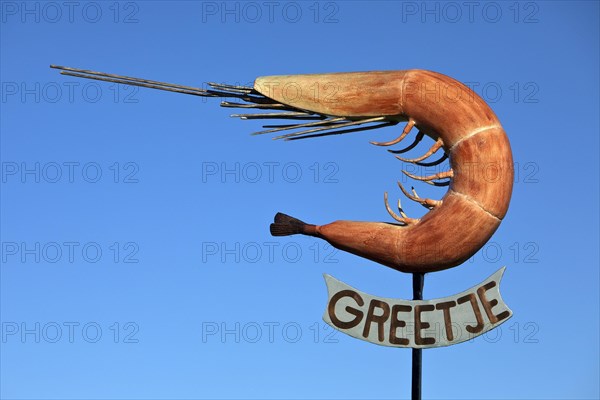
(237, 92)
(433, 163)
(231, 88)
(359, 122)
(195, 92)
(418, 138)
(330, 122)
(274, 106)
(417, 355)
(273, 115)
(131, 79)
(335, 131)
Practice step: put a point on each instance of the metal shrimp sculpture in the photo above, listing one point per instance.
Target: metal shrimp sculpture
(458, 120)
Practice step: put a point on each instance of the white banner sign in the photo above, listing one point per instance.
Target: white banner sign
(416, 323)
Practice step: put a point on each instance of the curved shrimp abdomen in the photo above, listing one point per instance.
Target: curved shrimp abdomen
(476, 144)
(482, 165)
(442, 108)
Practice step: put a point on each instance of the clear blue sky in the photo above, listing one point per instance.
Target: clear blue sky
(136, 257)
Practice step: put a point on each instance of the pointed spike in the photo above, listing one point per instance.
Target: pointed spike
(427, 203)
(433, 163)
(226, 86)
(335, 131)
(292, 114)
(127, 80)
(410, 196)
(401, 210)
(238, 92)
(428, 179)
(407, 221)
(169, 88)
(437, 145)
(230, 104)
(445, 183)
(405, 132)
(251, 98)
(417, 140)
(352, 123)
(287, 127)
(231, 88)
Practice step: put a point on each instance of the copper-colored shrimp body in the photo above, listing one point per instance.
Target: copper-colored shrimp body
(460, 123)
(452, 115)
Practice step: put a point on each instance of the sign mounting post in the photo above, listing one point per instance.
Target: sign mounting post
(417, 354)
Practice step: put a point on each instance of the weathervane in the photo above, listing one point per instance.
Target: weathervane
(480, 182)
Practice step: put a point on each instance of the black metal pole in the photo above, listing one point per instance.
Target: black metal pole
(418, 281)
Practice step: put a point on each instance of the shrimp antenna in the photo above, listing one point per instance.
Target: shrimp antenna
(320, 125)
(218, 90)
